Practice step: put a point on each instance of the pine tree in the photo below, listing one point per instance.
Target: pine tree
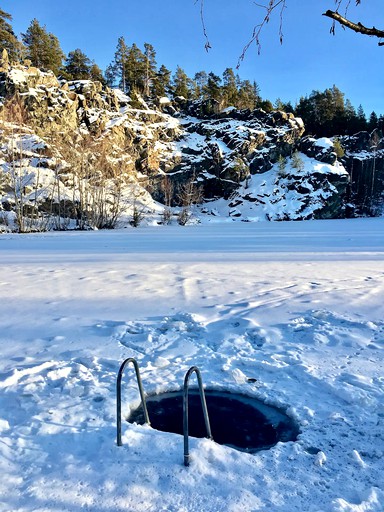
(327, 113)
(54, 54)
(229, 88)
(265, 105)
(278, 105)
(380, 123)
(283, 106)
(119, 66)
(289, 108)
(246, 95)
(199, 83)
(349, 118)
(212, 90)
(181, 83)
(161, 82)
(135, 70)
(35, 39)
(110, 75)
(256, 93)
(361, 119)
(78, 65)
(42, 48)
(373, 121)
(337, 123)
(96, 74)
(8, 40)
(150, 68)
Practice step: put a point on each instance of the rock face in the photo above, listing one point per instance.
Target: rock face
(4, 62)
(224, 149)
(364, 161)
(300, 188)
(231, 155)
(319, 149)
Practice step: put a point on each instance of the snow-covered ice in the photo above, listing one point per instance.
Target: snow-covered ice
(291, 313)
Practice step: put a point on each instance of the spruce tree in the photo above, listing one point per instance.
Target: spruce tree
(361, 119)
(8, 40)
(373, 121)
(350, 117)
(43, 48)
(289, 108)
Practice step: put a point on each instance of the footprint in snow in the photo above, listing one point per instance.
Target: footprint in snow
(255, 337)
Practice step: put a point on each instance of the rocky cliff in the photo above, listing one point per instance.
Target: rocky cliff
(67, 146)
(364, 159)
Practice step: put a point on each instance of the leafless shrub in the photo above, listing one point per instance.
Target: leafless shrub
(168, 190)
(189, 193)
(14, 110)
(137, 215)
(166, 216)
(96, 183)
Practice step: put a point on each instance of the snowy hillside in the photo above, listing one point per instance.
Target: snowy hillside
(291, 313)
(77, 155)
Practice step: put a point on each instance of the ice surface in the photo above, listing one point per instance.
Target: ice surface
(291, 313)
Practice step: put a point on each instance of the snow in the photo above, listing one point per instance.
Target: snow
(121, 96)
(228, 110)
(296, 305)
(116, 121)
(324, 142)
(18, 76)
(193, 141)
(322, 168)
(269, 195)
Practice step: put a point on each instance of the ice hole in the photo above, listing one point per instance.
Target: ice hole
(238, 421)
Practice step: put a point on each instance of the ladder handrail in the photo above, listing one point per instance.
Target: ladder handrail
(185, 410)
(118, 396)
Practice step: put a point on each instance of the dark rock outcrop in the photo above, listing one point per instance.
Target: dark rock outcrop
(364, 161)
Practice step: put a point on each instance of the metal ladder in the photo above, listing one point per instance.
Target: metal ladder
(118, 396)
(185, 410)
(193, 369)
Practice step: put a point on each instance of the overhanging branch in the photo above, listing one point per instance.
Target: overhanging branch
(356, 27)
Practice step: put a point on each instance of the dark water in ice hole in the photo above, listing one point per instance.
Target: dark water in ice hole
(239, 421)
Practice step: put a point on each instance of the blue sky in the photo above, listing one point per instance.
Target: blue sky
(310, 58)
